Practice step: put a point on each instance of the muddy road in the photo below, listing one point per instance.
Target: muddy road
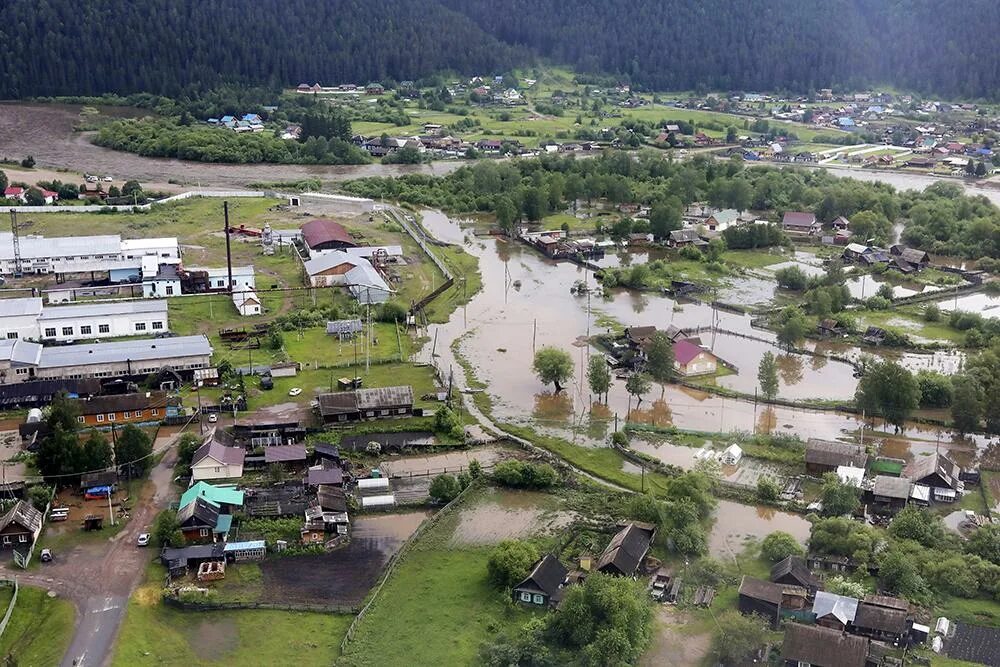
(46, 132)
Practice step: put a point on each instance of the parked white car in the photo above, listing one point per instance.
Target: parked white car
(294, 391)
(143, 540)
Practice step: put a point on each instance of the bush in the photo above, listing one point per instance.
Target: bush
(448, 423)
(692, 253)
(780, 545)
(932, 313)
(792, 278)
(391, 311)
(768, 490)
(520, 474)
(445, 488)
(509, 563)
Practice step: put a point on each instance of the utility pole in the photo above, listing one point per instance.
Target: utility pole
(229, 253)
(201, 423)
(16, 241)
(534, 331)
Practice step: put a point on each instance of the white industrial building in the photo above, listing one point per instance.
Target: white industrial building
(19, 317)
(329, 268)
(366, 284)
(27, 318)
(167, 279)
(82, 254)
(108, 319)
(23, 360)
(247, 302)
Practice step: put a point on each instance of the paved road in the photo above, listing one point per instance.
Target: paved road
(99, 578)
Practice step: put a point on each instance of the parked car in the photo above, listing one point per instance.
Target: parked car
(294, 391)
(212, 418)
(143, 540)
(266, 382)
(46, 556)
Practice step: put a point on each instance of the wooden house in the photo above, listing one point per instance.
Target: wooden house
(793, 571)
(20, 526)
(882, 617)
(543, 586)
(834, 611)
(890, 494)
(938, 472)
(627, 549)
(823, 456)
(817, 646)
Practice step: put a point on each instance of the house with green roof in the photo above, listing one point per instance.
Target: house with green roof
(226, 498)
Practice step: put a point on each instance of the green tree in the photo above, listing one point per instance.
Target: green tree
(985, 543)
(737, 636)
(665, 217)
(187, 445)
(39, 495)
(444, 488)
(767, 376)
(899, 574)
(606, 620)
(3, 180)
(932, 313)
(660, 358)
(837, 498)
(167, 530)
(966, 405)
(936, 389)
(509, 563)
(912, 523)
(28, 162)
(637, 385)
(58, 452)
(870, 226)
(506, 215)
(768, 490)
(448, 423)
(553, 366)
(780, 545)
(599, 376)
(791, 278)
(131, 187)
(890, 390)
(133, 450)
(95, 452)
(792, 326)
(34, 197)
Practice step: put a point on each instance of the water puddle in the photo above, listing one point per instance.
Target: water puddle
(508, 515)
(735, 524)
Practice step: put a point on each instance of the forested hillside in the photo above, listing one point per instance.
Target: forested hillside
(55, 47)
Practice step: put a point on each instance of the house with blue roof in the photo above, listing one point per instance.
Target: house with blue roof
(228, 121)
(252, 118)
(845, 121)
(225, 497)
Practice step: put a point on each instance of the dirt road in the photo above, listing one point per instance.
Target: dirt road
(98, 578)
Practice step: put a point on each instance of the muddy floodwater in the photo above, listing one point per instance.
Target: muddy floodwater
(987, 305)
(736, 523)
(526, 304)
(434, 464)
(504, 515)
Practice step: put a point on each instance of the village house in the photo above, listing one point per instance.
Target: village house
(793, 571)
(320, 475)
(289, 456)
(149, 406)
(20, 526)
(200, 522)
(938, 472)
(823, 456)
(691, 359)
(882, 618)
(816, 646)
(770, 600)
(797, 222)
(683, 237)
(722, 220)
(829, 327)
(909, 259)
(890, 494)
(380, 402)
(834, 611)
(627, 549)
(543, 587)
(226, 498)
(215, 461)
(247, 302)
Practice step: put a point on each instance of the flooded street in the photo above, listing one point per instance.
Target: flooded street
(736, 523)
(503, 325)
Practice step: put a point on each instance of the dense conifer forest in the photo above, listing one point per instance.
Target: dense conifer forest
(57, 47)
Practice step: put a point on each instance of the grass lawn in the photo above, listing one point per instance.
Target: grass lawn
(980, 611)
(908, 320)
(436, 608)
(39, 631)
(153, 634)
(753, 259)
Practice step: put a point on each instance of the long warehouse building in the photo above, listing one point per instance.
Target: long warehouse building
(27, 318)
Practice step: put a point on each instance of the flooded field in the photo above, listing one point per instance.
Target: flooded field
(736, 523)
(862, 287)
(433, 464)
(987, 305)
(506, 515)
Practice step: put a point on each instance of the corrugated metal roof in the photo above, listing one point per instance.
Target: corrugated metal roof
(166, 349)
(242, 546)
(384, 397)
(105, 309)
(327, 260)
(31, 305)
(39, 247)
(20, 351)
(343, 326)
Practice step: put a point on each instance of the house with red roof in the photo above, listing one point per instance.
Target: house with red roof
(49, 196)
(691, 359)
(14, 192)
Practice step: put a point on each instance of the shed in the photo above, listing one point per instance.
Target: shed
(822, 647)
(324, 234)
(823, 456)
(732, 455)
(246, 551)
(794, 571)
(834, 611)
(372, 502)
(878, 622)
(285, 454)
(626, 550)
(892, 492)
(764, 598)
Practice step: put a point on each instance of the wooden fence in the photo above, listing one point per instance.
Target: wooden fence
(171, 601)
(10, 607)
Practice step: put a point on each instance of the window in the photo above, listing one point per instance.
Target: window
(170, 290)
(22, 538)
(80, 419)
(203, 532)
(6, 539)
(370, 413)
(539, 599)
(140, 326)
(103, 328)
(86, 330)
(111, 416)
(157, 325)
(67, 331)
(100, 418)
(525, 597)
(154, 412)
(383, 412)
(11, 334)
(401, 411)
(21, 371)
(50, 332)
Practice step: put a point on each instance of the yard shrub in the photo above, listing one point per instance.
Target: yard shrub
(521, 474)
(509, 563)
(444, 488)
(780, 545)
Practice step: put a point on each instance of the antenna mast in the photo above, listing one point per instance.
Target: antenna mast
(17, 244)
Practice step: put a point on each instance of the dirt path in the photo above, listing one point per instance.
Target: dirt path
(672, 646)
(99, 577)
